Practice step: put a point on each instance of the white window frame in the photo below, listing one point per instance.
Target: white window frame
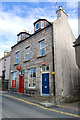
(28, 53)
(19, 37)
(31, 79)
(25, 53)
(42, 24)
(42, 48)
(14, 75)
(17, 57)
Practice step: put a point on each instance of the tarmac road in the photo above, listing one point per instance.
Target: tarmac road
(15, 108)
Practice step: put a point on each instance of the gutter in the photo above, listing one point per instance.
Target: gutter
(53, 61)
(76, 45)
(30, 36)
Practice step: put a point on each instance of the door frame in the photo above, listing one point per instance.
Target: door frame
(41, 83)
(19, 81)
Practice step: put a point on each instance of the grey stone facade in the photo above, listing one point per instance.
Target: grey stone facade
(35, 59)
(65, 68)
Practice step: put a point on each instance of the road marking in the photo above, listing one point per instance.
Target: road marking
(67, 107)
(69, 114)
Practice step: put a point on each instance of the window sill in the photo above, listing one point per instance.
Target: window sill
(26, 61)
(41, 56)
(16, 64)
(31, 89)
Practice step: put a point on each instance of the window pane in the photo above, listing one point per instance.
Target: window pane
(28, 49)
(27, 53)
(17, 60)
(22, 36)
(19, 37)
(31, 74)
(18, 54)
(27, 57)
(32, 77)
(42, 51)
(33, 83)
(47, 67)
(37, 26)
(34, 74)
(30, 83)
(45, 24)
(44, 68)
(14, 75)
(30, 70)
(42, 24)
(34, 70)
(42, 44)
(5, 61)
(23, 72)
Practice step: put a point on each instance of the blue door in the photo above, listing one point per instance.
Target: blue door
(45, 84)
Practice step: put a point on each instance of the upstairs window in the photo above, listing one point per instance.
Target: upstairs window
(19, 37)
(27, 53)
(42, 48)
(42, 24)
(23, 36)
(37, 26)
(46, 24)
(5, 62)
(17, 57)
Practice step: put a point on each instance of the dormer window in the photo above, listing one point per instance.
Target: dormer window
(22, 36)
(37, 26)
(40, 24)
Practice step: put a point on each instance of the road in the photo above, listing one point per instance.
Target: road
(17, 108)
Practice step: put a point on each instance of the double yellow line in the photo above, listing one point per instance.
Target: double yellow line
(65, 113)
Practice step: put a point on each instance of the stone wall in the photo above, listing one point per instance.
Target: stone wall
(77, 51)
(35, 59)
(66, 70)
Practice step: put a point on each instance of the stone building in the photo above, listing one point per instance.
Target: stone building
(77, 56)
(77, 51)
(43, 63)
(4, 70)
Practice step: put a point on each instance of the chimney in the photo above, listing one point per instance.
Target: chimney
(60, 7)
(6, 53)
(61, 12)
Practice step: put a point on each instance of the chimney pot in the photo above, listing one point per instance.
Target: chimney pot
(63, 10)
(60, 7)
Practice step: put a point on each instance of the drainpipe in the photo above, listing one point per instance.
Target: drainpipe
(53, 61)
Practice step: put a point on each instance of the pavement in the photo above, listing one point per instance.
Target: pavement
(44, 101)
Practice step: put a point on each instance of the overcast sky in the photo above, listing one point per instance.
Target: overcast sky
(17, 16)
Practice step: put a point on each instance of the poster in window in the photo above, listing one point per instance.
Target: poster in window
(13, 83)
